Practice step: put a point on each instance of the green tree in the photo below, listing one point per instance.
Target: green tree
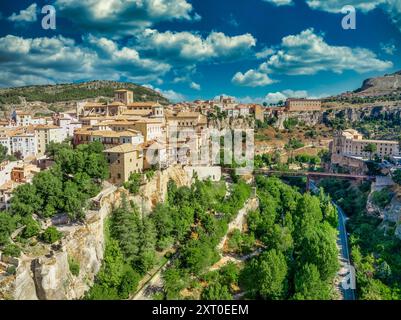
(51, 235)
(3, 153)
(32, 227)
(216, 291)
(174, 280)
(266, 276)
(134, 183)
(125, 228)
(371, 148)
(25, 200)
(318, 247)
(49, 188)
(309, 286)
(74, 201)
(7, 226)
(397, 176)
(329, 211)
(308, 214)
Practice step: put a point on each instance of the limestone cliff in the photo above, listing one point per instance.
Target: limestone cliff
(353, 114)
(391, 214)
(43, 272)
(155, 190)
(310, 119)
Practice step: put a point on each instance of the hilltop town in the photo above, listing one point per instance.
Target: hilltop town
(66, 173)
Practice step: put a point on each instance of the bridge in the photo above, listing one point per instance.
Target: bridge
(309, 175)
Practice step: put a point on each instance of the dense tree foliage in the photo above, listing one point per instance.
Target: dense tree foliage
(198, 219)
(66, 187)
(299, 231)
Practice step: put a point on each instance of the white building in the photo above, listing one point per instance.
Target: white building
(68, 124)
(25, 143)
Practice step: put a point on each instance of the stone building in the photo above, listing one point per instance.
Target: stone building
(351, 143)
(298, 105)
(124, 160)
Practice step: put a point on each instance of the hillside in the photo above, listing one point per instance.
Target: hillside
(388, 84)
(380, 91)
(44, 95)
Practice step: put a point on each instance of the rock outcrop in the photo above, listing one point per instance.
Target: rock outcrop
(155, 190)
(309, 118)
(353, 114)
(381, 85)
(46, 274)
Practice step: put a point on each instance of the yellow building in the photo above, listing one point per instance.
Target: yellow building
(301, 105)
(351, 143)
(124, 96)
(124, 160)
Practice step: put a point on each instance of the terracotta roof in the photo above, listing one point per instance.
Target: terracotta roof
(136, 112)
(188, 115)
(123, 148)
(122, 90)
(145, 104)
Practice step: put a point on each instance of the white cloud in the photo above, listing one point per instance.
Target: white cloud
(27, 15)
(252, 78)
(388, 48)
(280, 2)
(169, 94)
(266, 52)
(122, 16)
(59, 59)
(275, 97)
(187, 46)
(195, 86)
(392, 7)
(335, 6)
(307, 53)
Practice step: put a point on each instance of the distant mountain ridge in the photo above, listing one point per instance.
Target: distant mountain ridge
(76, 91)
(380, 86)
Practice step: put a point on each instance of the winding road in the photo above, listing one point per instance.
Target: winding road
(345, 262)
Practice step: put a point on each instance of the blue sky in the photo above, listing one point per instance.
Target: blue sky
(255, 50)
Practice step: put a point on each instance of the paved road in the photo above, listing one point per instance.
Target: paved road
(342, 242)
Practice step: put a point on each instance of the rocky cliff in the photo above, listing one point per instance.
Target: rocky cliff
(155, 190)
(353, 114)
(310, 119)
(387, 84)
(43, 273)
(391, 214)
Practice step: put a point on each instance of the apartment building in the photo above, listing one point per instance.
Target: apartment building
(46, 134)
(23, 142)
(124, 160)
